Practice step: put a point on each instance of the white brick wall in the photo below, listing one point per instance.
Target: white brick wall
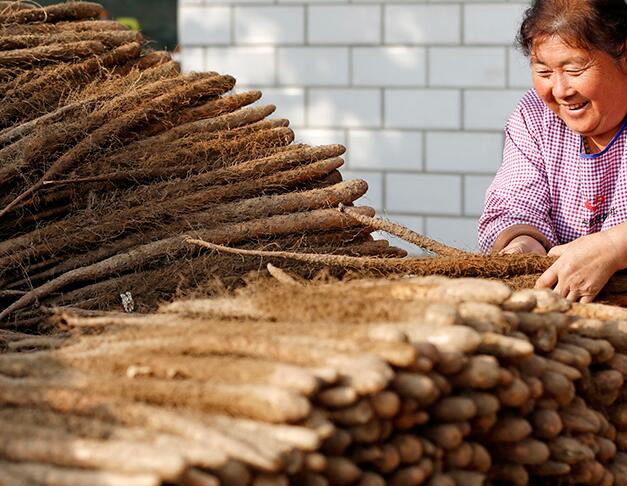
(344, 107)
(475, 66)
(385, 149)
(393, 66)
(269, 25)
(418, 90)
(422, 108)
(344, 24)
(313, 66)
(422, 24)
(463, 152)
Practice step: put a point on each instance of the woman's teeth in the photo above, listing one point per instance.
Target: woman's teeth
(578, 106)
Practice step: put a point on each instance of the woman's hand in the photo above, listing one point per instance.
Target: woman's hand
(586, 264)
(523, 244)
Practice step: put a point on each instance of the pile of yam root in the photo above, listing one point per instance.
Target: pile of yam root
(111, 159)
(110, 156)
(125, 184)
(422, 380)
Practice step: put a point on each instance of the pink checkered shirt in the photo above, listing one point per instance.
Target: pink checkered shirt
(546, 179)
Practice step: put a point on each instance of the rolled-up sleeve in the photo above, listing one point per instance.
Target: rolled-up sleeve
(519, 194)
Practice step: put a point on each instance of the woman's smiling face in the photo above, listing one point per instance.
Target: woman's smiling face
(586, 89)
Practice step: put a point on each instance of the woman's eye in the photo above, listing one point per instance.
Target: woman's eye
(543, 74)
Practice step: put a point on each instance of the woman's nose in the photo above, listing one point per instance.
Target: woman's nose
(561, 87)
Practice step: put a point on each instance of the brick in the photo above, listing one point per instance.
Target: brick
(269, 24)
(489, 109)
(423, 193)
(492, 24)
(313, 66)
(192, 59)
(422, 108)
(344, 24)
(385, 150)
(316, 2)
(463, 152)
(222, 2)
(519, 70)
(249, 65)
(474, 194)
(414, 223)
(422, 24)
(469, 1)
(313, 136)
(351, 108)
(290, 103)
(389, 66)
(374, 196)
(198, 25)
(457, 232)
(467, 67)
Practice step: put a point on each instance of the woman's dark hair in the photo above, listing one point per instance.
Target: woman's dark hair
(588, 24)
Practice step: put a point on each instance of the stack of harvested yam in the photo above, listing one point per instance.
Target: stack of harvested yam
(110, 159)
(117, 173)
(109, 156)
(424, 380)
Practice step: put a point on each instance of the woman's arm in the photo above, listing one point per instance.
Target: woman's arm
(523, 244)
(586, 264)
(521, 238)
(518, 200)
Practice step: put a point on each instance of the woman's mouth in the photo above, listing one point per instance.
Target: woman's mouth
(576, 106)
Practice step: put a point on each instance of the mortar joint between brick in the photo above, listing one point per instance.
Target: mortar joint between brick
(462, 109)
(462, 192)
(423, 141)
(462, 21)
(232, 24)
(306, 25)
(382, 23)
(383, 121)
(508, 76)
(276, 66)
(351, 58)
(427, 79)
(384, 191)
(306, 106)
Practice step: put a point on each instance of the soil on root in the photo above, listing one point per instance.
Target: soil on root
(53, 13)
(112, 38)
(96, 195)
(43, 93)
(69, 26)
(113, 214)
(52, 53)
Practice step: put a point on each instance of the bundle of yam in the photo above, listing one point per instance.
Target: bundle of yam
(109, 156)
(423, 380)
(519, 271)
(124, 183)
(110, 159)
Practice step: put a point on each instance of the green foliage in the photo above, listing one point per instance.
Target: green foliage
(155, 18)
(130, 22)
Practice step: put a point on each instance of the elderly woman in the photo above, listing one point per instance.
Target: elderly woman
(562, 187)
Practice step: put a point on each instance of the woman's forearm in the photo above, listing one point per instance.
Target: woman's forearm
(617, 237)
(508, 234)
